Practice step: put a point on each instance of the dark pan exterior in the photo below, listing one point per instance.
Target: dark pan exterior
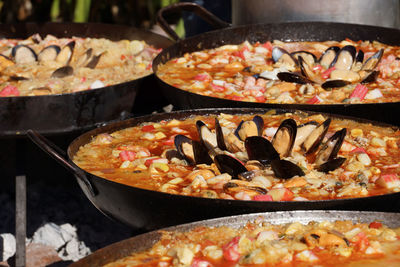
(298, 31)
(58, 114)
(146, 241)
(147, 210)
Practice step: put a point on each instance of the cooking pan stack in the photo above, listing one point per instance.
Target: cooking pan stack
(246, 154)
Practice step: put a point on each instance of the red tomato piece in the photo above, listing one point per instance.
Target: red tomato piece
(149, 66)
(317, 67)
(148, 128)
(267, 45)
(149, 161)
(231, 250)
(127, 155)
(262, 198)
(359, 91)
(9, 90)
(260, 99)
(237, 98)
(327, 73)
(375, 225)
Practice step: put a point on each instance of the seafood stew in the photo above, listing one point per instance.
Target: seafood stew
(328, 72)
(265, 157)
(50, 65)
(263, 243)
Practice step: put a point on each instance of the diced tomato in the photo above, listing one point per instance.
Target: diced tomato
(362, 242)
(169, 142)
(327, 73)
(217, 88)
(149, 66)
(267, 45)
(262, 198)
(127, 155)
(83, 79)
(358, 150)
(123, 57)
(231, 250)
(200, 263)
(375, 225)
(260, 99)
(237, 98)
(202, 77)
(359, 91)
(148, 128)
(314, 100)
(9, 90)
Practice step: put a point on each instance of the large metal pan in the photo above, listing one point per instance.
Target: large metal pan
(145, 209)
(64, 113)
(294, 31)
(146, 241)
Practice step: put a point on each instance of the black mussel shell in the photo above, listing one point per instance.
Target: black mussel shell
(329, 85)
(63, 72)
(345, 58)
(304, 130)
(314, 139)
(373, 61)
(293, 77)
(23, 54)
(246, 128)
(280, 54)
(229, 164)
(285, 169)
(200, 152)
(220, 135)
(308, 57)
(307, 71)
(94, 61)
(207, 137)
(179, 140)
(331, 147)
(328, 57)
(197, 154)
(18, 78)
(49, 53)
(360, 56)
(246, 176)
(331, 165)
(371, 77)
(65, 55)
(284, 137)
(172, 153)
(259, 148)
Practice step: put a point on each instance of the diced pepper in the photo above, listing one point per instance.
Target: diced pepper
(231, 250)
(149, 66)
(148, 128)
(375, 225)
(123, 57)
(262, 198)
(9, 90)
(267, 45)
(314, 100)
(237, 98)
(260, 99)
(327, 73)
(359, 91)
(127, 155)
(148, 162)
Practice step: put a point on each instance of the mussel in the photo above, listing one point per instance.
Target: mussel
(330, 148)
(192, 151)
(283, 58)
(259, 148)
(49, 53)
(373, 61)
(63, 72)
(65, 55)
(345, 58)
(328, 56)
(293, 77)
(23, 54)
(284, 137)
(229, 164)
(286, 169)
(314, 139)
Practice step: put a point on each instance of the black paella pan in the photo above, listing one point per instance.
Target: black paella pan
(146, 209)
(293, 31)
(64, 113)
(146, 241)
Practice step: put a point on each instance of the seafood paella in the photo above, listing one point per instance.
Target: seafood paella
(303, 72)
(266, 157)
(339, 243)
(51, 65)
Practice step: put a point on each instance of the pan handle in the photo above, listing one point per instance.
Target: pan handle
(59, 155)
(191, 7)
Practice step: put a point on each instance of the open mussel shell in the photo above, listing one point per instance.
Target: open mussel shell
(329, 85)
(23, 54)
(293, 77)
(219, 135)
(284, 57)
(328, 57)
(331, 165)
(94, 61)
(345, 58)
(250, 128)
(65, 55)
(229, 164)
(49, 53)
(314, 139)
(373, 61)
(259, 148)
(303, 131)
(308, 57)
(208, 138)
(370, 77)
(286, 169)
(193, 152)
(63, 72)
(284, 137)
(308, 72)
(331, 147)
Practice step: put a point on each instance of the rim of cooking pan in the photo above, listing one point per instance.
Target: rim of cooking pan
(101, 35)
(215, 35)
(184, 114)
(145, 241)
